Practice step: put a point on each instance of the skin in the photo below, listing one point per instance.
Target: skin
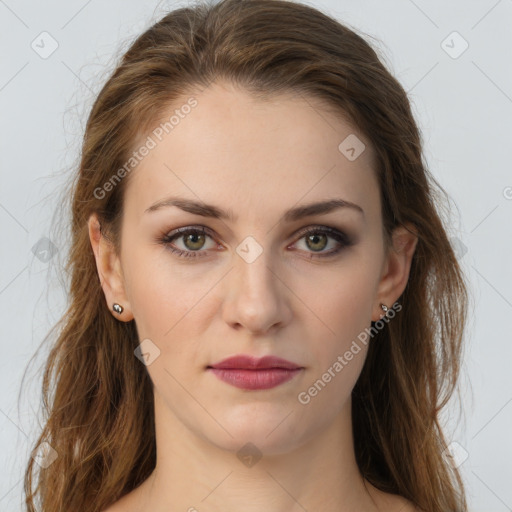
(257, 159)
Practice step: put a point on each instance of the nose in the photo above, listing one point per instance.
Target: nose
(257, 298)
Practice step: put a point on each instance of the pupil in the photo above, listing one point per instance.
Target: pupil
(315, 237)
(193, 238)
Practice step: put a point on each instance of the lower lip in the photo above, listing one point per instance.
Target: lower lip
(255, 379)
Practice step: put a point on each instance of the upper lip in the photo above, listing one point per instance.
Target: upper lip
(253, 363)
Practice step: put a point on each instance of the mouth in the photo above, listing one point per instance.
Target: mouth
(254, 379)
(246, 362)
(247, 372)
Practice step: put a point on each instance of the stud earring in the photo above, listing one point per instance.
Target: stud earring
(117, 308)
(385, 309)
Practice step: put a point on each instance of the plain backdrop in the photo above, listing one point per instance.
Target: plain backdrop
(453, 58)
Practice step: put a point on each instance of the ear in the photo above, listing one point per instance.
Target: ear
(109, 269)
(396, 267)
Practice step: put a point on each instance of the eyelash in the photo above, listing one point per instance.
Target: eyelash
(339, 236)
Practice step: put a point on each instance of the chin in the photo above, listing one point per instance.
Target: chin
(271, 428)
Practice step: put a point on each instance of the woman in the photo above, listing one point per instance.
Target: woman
(265, 311)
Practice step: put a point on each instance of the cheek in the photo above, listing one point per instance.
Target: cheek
(339, 310)
(341, 299)
(168, 300)
(338, 346)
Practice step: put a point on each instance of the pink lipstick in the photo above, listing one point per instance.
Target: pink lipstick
(247, 372)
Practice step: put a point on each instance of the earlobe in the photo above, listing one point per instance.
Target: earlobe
(108, 266)
(396, 270)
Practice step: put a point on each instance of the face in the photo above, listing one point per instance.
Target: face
(257, 282)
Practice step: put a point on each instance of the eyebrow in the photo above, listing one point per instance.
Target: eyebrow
(293, 214)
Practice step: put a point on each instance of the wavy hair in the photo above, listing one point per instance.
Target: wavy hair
(98, 398)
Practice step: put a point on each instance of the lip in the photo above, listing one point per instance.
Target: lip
(247, 372)
(245, 362)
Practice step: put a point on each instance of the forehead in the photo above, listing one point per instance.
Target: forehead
(260, 156)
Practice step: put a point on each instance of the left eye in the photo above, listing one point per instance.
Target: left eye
(315, 239)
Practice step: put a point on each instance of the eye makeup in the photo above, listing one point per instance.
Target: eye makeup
(310, 234)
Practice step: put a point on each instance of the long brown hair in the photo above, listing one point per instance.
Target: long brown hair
(98, 398)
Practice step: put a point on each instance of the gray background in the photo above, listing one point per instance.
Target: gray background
(462, 101)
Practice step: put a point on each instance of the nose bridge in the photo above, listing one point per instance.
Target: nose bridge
(254, 271)
(256, 297)
(255, 276)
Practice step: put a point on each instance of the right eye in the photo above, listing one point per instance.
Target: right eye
(193, 240)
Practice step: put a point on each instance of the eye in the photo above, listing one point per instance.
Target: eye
(193, 239)
(316, 239)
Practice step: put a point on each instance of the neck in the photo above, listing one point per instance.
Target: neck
(195, 475)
